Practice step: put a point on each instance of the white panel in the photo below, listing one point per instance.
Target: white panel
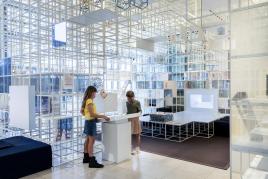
(215, 6)
(107, 104)
(110, 102)
(123, 109)
(94, 17)
(60, 32)
(201, 100)
(145, 44)
(21, 106)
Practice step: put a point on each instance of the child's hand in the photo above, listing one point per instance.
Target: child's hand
(107, 118)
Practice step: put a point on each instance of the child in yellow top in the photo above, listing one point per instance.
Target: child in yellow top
(88, 109)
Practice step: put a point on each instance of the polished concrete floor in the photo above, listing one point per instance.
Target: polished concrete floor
(145, 165)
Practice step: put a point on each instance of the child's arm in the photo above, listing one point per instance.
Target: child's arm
(139, 107)
(95, 115)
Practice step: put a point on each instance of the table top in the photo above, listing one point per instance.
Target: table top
(178, 122)
(145, 118)
(121, 118)
(185, 117)
(205, 117)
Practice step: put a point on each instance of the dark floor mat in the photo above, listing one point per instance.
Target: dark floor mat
(212, 152)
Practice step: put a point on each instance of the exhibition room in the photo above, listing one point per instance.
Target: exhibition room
(153, 89)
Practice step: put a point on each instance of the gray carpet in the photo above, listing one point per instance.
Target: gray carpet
(212, 152)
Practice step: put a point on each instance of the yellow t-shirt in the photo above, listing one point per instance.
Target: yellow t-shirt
(86, 112)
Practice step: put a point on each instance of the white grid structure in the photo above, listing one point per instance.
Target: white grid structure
(103, 50)
(28, 41)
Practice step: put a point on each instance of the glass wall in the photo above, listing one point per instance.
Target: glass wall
(249, 98)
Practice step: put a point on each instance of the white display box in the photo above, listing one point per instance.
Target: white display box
(21, 107)
(117, 141)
